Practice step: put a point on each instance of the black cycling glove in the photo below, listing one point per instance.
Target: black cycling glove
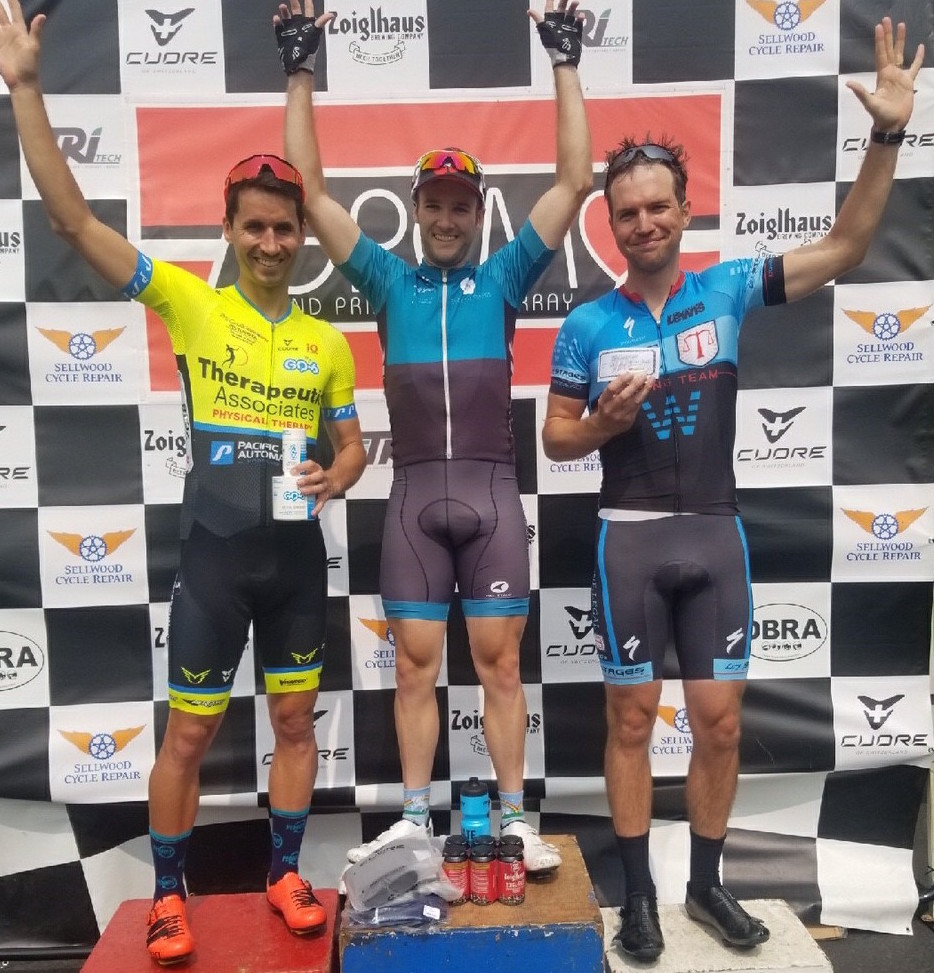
(562, 36)
(298, 40)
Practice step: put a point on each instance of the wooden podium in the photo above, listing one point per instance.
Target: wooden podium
(558, 927)
(233, 934)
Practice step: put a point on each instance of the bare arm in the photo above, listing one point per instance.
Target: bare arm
(554, 212)
(109, 253)
(333, 226)
(569, 434)
(845, 245)
(348, 466)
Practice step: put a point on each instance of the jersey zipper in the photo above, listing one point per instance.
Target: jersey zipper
(448, 451)
(675, 428)
(267, 482)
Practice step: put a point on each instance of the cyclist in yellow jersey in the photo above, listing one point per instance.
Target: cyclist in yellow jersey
(251, 366)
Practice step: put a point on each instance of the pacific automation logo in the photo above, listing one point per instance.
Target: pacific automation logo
(83, 347)
(886, 327)
(676, 744)
(885, 527)
(877, 713)
(94, 550)
(103, 746)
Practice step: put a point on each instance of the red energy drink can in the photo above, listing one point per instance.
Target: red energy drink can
(510, 870)
(483, 889)
(456, 867)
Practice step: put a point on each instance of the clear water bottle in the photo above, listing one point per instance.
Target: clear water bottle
(475, 809)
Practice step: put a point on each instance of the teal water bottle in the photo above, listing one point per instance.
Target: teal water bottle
(475, 809)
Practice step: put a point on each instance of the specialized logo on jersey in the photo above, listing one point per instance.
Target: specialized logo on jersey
(698, 345)
(631, 646)
(884, 526)
(672, 413)
(877, 711)
(784, 14)
(776, 424)
(733, 639)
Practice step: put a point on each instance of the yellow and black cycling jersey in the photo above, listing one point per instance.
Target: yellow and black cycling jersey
(245, 379)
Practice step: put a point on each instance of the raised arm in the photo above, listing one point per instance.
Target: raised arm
(298, 35)
(890, 106)
(561, 31)
(109, 253)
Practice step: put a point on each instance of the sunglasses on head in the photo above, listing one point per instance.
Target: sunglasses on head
(449, 159)
(651, 151)
(252, 167)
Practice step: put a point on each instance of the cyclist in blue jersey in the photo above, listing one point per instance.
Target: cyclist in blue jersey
(239, 563)
(653, 363)
(454, 517)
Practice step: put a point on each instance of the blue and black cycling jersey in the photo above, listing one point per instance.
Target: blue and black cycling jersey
(447, 341)
(678, 455)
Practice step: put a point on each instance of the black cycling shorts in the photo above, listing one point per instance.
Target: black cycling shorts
(274, 577)
(455, 521)
(684, 578)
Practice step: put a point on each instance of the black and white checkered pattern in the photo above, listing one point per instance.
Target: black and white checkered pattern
(836, 475)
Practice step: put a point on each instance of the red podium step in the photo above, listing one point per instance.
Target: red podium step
(233, 934)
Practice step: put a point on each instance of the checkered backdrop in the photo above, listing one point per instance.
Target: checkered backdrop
(151, 105)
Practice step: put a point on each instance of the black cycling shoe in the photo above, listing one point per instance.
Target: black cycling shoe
(716, 907)
(640, 935)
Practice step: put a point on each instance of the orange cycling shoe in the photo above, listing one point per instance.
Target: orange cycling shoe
(292, 896)
(169, 939)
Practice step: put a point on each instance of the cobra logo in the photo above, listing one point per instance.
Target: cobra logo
(301, 365)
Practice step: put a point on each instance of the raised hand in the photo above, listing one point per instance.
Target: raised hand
(890, 105)
(19, 46)
(298, 35)
(561, 30)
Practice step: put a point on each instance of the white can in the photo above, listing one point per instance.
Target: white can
(294, 448)
(288, 502)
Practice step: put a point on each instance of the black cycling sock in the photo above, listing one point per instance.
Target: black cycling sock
(634, 853)
(705, 862)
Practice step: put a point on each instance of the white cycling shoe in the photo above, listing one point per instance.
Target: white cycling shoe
(539, 855)
(403, 828)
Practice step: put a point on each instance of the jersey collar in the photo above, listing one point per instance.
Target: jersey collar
(637, 298)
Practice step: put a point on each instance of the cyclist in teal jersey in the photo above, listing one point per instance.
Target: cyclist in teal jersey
(446, 327)
(238, 563)
(654, 364)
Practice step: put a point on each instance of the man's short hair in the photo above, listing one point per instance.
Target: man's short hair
(649, 152)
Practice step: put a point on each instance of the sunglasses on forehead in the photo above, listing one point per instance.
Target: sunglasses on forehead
(449, 159)
(255, 165)
(657, 153)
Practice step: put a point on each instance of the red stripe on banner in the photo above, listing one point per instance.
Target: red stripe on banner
(181, 186)
(163, 369)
